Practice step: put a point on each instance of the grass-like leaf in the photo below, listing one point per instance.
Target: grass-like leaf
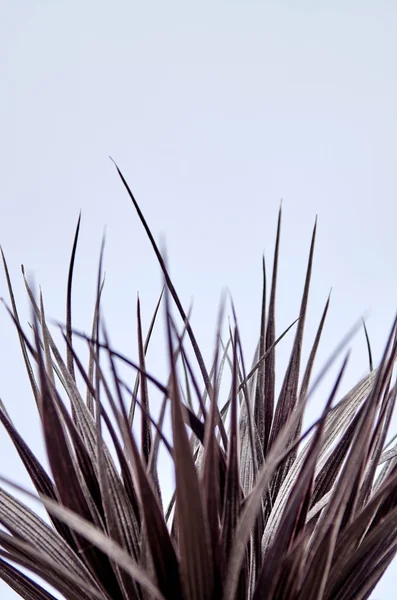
(262, 509)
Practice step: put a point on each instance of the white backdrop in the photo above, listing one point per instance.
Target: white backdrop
(214, 111)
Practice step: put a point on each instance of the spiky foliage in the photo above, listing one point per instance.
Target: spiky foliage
(262, 509)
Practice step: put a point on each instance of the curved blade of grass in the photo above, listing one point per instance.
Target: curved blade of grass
(313, 353)
(69, 355)
(288, 394)
(91, 361)
(247, 409)
(146, 435)
(22, 342)
(305, 385)
(233, 495)
(145, 348)
(371, 364)
(270, 362)
(197, 351)
(212, 467)
(259, 408)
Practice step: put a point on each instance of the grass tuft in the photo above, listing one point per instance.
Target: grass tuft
(262, 508)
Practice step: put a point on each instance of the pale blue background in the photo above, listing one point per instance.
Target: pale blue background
(214, 111)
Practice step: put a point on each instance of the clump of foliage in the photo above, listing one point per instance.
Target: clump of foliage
(262, 508)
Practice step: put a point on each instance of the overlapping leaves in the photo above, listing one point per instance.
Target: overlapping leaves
(262, 509)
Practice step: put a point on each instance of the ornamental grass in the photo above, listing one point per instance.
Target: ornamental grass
(265, 507)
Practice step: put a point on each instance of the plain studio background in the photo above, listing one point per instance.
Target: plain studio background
(213, 111)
